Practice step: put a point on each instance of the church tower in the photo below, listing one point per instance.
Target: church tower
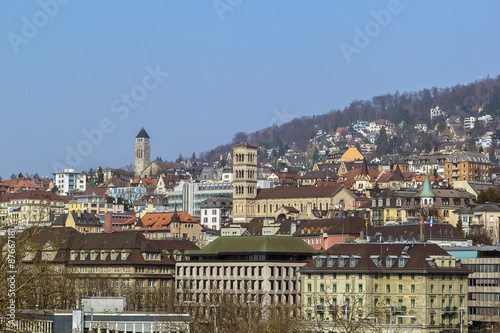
(142, 152)
(244, 181)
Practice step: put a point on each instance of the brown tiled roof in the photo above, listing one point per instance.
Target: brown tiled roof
(133, 241)
(352, 225)
(174, 244)
(297, 192)
(411, 231)
(417, 254)
(245, 144)
(43, 195)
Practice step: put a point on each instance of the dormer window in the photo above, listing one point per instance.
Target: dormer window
(380, 202)
(320, 260)
(113, 255)
(390, 260)
(83, 255)
(431, 262)
(331, 260)
(403, 260)
(93, 255)
(104, 255)
(377, 260)
(124, 255)
(342, 261)
(398, 202)
(354, 260)
(388, 202)
(73, 255)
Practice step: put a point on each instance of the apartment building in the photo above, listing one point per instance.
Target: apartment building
(416, 286)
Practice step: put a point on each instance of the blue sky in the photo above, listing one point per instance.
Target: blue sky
(194, 73)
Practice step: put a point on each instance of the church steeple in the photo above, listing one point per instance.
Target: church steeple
(426, 195)
(142, 152)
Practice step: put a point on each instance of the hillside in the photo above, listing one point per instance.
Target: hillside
(410, 107)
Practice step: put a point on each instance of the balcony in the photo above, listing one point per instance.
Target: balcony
(448, 309)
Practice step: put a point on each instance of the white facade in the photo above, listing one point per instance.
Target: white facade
(211, 217)
(436, 112)
(470, 122)
(70, 182)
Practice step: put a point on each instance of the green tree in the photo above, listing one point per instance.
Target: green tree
(99, 176)
(460, 226)
(358, 147)
(490, 195)
(381, 141)
(193, 156)
(180, 158)
(54, 189)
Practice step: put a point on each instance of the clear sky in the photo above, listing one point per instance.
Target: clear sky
(78, 79)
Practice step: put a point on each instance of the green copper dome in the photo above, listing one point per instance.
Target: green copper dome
(427, 190)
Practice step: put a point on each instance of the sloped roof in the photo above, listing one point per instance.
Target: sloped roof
(142, 134)
(256, 244)
(245, 144)
(297, 192)
(417, 254)
(352, 154)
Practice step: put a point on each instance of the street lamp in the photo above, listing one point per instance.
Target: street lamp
(215, 317)
(390, 316)
(462, 319)
(316, 314)
(249, 313)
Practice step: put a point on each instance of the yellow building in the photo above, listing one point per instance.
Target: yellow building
(466, 165)
(417, 287)
(82, 222)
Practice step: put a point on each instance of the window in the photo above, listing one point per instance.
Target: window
(309, 287)
(388, 288)
(376, 288)
(360, 288)
(400, 288)
(413, 288)
(321, 287)
(347, 288)
(334, 287)
(432, 288)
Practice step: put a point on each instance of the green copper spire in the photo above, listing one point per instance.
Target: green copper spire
(427, 190)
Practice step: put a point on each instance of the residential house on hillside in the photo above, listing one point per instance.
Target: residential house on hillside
(467, 165)
(428, 164)
(70, 182)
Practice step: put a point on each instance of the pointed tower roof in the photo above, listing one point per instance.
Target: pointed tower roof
(364, 168)
(427, 190)
(142, 134)
(397, 174)
(175, 217)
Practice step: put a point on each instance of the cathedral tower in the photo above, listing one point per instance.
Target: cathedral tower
(142, 152)
(244, 181)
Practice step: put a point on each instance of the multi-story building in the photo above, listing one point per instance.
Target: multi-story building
(216, 211)
(258, 268)
(28, 208)
(167, 225)
(412, 206)
(249, 201)
(428, 164)
(70, 182)
(466, 165)
(416, 286)
(484, 284)
(437, 112)
(94, 204)
(188, 195)
(82, 222)
(469, 122)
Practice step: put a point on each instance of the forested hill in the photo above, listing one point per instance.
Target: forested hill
(410, 107)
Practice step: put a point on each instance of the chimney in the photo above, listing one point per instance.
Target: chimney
(293, 228)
